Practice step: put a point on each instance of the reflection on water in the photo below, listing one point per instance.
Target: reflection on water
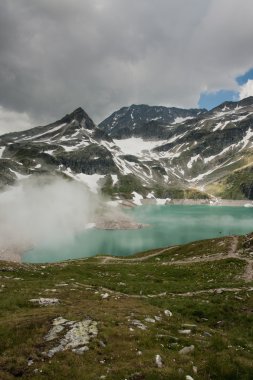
(168, 225)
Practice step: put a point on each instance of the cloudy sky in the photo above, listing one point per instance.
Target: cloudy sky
(56, 55)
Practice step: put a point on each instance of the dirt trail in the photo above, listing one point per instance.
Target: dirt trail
(233, 248)
(232, 253)
(111, 259)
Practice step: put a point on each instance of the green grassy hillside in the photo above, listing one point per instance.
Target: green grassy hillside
(138, 316)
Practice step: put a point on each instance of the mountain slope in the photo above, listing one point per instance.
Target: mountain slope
(146, 155)
(139, 120)
(198, 295)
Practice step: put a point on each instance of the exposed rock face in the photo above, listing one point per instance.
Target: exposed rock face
(145, 121)
(76, 338)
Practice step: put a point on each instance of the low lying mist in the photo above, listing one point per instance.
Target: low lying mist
(44, 211)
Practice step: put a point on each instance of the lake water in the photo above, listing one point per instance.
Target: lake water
(168, 225)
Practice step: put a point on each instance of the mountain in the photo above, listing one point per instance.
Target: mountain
(153, 151)
(139, 121)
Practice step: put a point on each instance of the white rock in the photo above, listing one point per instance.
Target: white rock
(139, 324)
(186, 350)
(158, 361)
(188, 377)
(76, 338)
(168, 313)
(150, 320)
(184, 332)
(45, 301)
(105, 296)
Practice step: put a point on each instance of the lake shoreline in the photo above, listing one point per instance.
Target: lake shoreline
(128, 203)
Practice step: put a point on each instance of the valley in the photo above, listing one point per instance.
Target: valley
(79, 200)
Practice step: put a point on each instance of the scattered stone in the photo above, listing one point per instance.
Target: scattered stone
(102, 344)
(207, 334)
(30, 362)
(150, 320)
(238, 298)
(158, 361)
(45, 301)
(139, 324)
(188, 377)
(195, 369)
(105, 296)
(187, 350)
(139, 353)
(168, 313)
(184, 332)
(188, 325)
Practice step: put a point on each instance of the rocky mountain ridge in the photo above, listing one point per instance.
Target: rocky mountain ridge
(141, 151)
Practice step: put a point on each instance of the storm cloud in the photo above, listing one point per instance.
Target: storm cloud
(103, 54)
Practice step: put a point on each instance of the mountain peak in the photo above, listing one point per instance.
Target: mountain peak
(81, 117)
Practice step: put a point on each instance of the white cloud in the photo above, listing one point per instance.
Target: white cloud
(246, 89)
(11, 121)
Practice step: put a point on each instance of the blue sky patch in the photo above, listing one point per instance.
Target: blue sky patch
(210, 100)
(242, 79)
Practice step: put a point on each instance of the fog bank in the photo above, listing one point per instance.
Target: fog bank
(44, 211)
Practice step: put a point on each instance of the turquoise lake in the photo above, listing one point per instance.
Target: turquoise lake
(168, 225)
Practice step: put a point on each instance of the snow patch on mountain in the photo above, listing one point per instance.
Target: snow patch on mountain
(137, 198)
(136, 145)
(1, 151)
(246, 138)
(181, 119)
(55, 129)
(192, 160)
(90, 180)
